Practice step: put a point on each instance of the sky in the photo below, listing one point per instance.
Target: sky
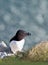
(29, 15)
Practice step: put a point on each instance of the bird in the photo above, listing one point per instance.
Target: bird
(3, 46)
(4, 50)
(18, 40)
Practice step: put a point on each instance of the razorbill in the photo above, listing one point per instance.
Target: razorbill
(17, 41)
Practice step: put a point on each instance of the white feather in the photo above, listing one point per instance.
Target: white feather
(3, 44)
(17, 45)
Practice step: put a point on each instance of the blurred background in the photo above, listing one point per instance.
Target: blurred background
(29, 15)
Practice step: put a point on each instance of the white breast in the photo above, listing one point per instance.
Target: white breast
(17, 45)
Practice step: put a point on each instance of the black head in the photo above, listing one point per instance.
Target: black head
(20, 35)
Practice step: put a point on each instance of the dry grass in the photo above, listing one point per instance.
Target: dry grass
(39, 52)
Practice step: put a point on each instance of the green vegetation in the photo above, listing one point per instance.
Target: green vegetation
(17, 61)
